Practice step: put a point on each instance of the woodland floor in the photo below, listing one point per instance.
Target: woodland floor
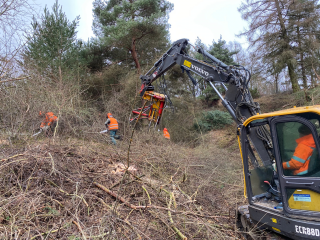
(55, 189)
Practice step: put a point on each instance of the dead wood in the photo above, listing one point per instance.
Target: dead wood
(121, 199)
(5, 159)
(80, 229)
(171, 220)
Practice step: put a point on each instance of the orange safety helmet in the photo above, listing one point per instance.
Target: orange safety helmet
(109, 115)
(165, 129)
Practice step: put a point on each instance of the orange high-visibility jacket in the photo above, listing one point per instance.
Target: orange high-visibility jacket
(299, 163)
(166, 133)
(113, 125)
(50, 118)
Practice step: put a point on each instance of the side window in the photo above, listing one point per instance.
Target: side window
(298, 151)
(259, 173)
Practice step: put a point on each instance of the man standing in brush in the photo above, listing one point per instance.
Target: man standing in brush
(49, 123)
(112, 126)
(166, 133)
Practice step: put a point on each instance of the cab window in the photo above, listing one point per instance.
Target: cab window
(299, 155)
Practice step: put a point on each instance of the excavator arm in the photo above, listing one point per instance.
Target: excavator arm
(237, 100)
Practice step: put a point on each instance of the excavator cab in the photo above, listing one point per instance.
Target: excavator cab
(281, 198)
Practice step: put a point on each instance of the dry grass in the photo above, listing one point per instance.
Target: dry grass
(47, 189)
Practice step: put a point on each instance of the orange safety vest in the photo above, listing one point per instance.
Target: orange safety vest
(113, 125)
(299, 163)
(166, 134)
(50, 118)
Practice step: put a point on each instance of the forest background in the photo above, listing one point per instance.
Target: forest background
(45, 67)
(53, 187)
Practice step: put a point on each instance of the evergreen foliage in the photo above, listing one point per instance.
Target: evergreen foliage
(254, 92)
(53, 46)
(134, 31)
(95, 55)
(212, 120)
(221, 52)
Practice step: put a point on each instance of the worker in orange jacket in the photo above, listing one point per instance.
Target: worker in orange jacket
(166, 133)
(112, 126)
(299, 162)
(49, 123)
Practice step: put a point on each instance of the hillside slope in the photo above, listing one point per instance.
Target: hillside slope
(53, 189)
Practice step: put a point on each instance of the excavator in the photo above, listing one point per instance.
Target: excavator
(279, 198)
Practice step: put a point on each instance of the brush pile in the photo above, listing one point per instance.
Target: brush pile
(86, 191)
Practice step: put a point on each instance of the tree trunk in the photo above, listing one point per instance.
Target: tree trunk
(276, 82)
(134, 55)
(289, 61)
(303, 71)
(293, 77)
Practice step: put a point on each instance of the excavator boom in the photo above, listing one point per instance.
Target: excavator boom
(237, 100)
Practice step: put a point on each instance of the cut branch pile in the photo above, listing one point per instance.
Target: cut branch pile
(58, 192)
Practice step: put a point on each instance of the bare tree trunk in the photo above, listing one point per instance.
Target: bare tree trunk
(303, 71)
(313, 84)
(276, 80)
(135, 56)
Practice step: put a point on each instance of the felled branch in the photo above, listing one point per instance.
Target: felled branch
(183, 237)
(121, 199)
(5, 159)
(80, 229)
(115, 195)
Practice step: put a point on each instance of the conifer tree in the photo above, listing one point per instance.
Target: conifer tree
(52, 46)
(221, 52)
(268, 33)
(134, 30)
(303, 25)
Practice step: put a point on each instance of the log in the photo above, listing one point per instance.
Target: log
(115, 195)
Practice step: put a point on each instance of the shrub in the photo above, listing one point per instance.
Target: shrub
(255, 93)
(215, 119)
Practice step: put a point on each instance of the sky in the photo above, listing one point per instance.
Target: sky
(206, 19)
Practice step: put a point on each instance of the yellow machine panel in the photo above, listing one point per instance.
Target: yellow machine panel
(304, 199)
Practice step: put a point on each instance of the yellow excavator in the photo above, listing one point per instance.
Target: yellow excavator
(279, 150)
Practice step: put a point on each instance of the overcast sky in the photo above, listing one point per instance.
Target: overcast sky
(206, 19)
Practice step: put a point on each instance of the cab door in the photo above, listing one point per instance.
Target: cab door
(296, 149)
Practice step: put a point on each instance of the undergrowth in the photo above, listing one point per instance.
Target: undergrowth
(54, 188)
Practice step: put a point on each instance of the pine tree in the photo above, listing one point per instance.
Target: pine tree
(52, 47)
(221, 52)
(134, 30)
